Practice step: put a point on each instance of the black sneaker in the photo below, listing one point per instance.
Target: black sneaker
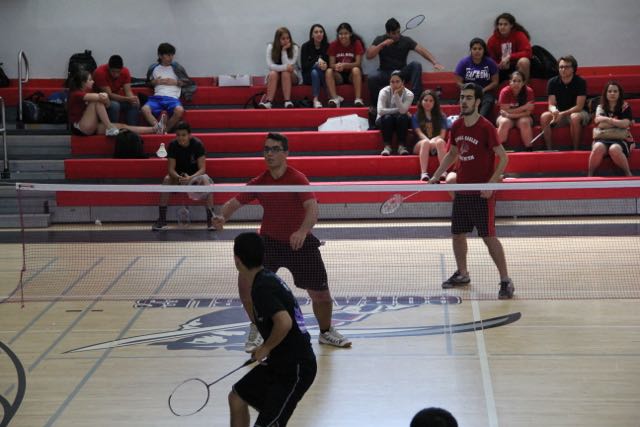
(160, 225)
(506, 289)
(456, 279)
(210, 225)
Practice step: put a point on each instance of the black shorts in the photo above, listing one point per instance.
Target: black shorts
(623, 144)
(305, 264)
(471, 210)
(275, 392)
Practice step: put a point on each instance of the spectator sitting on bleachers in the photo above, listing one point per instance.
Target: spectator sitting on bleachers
(87, 110)
(510, 47)
(393, 49)
(393, 113)
(612, 113)
(187, 165)
(169, 81)
(282, 61)
(345, 64)
(430, 127)
(567, 94)
(516, 105)
(114, 79)
(314, 61)
(480, 69)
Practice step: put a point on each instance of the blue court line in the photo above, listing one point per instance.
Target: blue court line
(106, 354)
(447, 320)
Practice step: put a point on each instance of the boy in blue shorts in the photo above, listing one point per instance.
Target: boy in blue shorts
(169, 81)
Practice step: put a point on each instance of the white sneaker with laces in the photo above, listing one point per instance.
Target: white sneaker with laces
(358, 102)
(317, 103)
(112, 131)
(265, 104)
(288, 104)
(424, 176)
(254, 339)
(334, 338)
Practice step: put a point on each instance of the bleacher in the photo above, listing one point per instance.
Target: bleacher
(233, 138)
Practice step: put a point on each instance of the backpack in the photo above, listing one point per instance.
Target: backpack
(4, 80)
(543, 63)
(591, 105)
(254, 100)
(81, 61)
(36, 108)
(128, 145)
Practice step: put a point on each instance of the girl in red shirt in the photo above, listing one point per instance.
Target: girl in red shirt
(516, 106)
(345, 62)
(510, 47)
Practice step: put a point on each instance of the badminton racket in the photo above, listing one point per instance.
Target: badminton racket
(538, 136)
(394, 203)
(192, 395)
(413, 23)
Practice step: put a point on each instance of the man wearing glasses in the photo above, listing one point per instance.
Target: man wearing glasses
(567, 96)
(286, 229)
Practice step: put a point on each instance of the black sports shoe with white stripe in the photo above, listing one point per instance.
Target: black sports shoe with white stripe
(456, 279)
(506, 289)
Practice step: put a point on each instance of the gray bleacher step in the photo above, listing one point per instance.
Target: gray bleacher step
(33, 147)
(36, 170)
(29, 220)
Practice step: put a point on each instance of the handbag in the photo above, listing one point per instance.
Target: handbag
(611, 133)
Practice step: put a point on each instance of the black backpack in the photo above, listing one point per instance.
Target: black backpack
(36, 108)
(128, 145)
(81, 61)
(4, 80)
(543, 63)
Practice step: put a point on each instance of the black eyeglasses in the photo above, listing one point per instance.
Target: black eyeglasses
(275, 149)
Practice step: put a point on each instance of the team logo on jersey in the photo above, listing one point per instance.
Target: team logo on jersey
(228, 327)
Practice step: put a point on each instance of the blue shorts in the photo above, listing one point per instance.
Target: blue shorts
(162, 103)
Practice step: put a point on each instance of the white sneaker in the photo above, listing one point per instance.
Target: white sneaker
(334, 338)
(358, 102)
(112, 131)
(424, 176)
(316, 103)
(288, 104)
(265, 104)
(386, 151)
(254, 339)
(335, 102)
(160, 127)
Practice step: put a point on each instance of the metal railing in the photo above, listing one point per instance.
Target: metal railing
(5, 174)
(22, 60)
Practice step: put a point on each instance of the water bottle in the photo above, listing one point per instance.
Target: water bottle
(162, 152)
(184, 217)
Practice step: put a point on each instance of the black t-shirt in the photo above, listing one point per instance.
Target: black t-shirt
(270, 295)
(566, 94)
(394, 57)
(309, 55)
(186, 157)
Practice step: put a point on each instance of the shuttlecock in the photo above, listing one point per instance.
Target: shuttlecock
(162, 152)
(98, 222)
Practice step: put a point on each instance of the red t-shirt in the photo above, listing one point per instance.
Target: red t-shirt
(345, 54)
(507, 96)
(516, 42)
(102, 78)
(475, 150)
(283, 212)
(76, 106)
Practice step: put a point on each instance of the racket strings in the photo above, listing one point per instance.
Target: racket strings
(189, 397)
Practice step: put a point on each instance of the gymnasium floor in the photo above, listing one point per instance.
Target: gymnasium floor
(108, 329)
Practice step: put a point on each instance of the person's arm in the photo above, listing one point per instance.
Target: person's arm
(523, 46)
(403, 106)
(129, 95)
(357, 62)
(171, 168)
(374, 50)
(226, 211)
(101, 97)
(494, 84)
(282, 324)
(296, 240)
(424, 52)
(447, 161)
(202, 169)
(383, 101)
(420, 135)
(503, 159)
(272, 65)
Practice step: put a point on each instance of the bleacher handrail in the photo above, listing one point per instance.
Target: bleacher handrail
(22, 59)
(5, 169)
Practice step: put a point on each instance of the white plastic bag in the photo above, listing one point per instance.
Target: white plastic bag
(351, 122)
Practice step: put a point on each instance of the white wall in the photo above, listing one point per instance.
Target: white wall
(229, 36)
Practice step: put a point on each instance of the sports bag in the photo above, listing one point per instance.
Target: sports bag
(543, 63)
(4, 80)
(128, 145)
(37, 109)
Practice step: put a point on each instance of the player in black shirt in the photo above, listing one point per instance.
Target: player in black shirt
(288, 364)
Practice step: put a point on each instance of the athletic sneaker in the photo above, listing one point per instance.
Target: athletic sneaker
(358, 102)
(424, 176)
(402, 150)
(334, 338)
(265, 105)
(506, 289)
(254, 339)
(317, 103)
(160, 225)
(456, 279)
(112, 131)
(160, 127)
(335, 102)
(386, 151)
(210, 225)
(288, 104)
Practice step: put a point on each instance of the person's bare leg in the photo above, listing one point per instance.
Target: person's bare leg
(526, 134)
(545, 119)
(460, 252)
(356, 79)
(576, 130)
(178, 112)
(595, 158)
(148, 115)
(272, 85)
(619, 159)
(239, 411)
(497, 255)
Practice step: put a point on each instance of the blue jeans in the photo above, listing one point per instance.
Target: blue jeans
(131, 112)
(316, 79)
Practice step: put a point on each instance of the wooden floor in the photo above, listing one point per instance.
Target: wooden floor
(532, 361)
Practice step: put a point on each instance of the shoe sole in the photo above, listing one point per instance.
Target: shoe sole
(455, 285)
(347, 345)
(159, 228)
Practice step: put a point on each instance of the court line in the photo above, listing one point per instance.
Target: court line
(447, 320)
(106, 354)
(484, 368)
(12, 293)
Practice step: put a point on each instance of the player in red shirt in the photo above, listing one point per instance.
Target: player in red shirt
(286, 229)
(114, 79)
(474, 143)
